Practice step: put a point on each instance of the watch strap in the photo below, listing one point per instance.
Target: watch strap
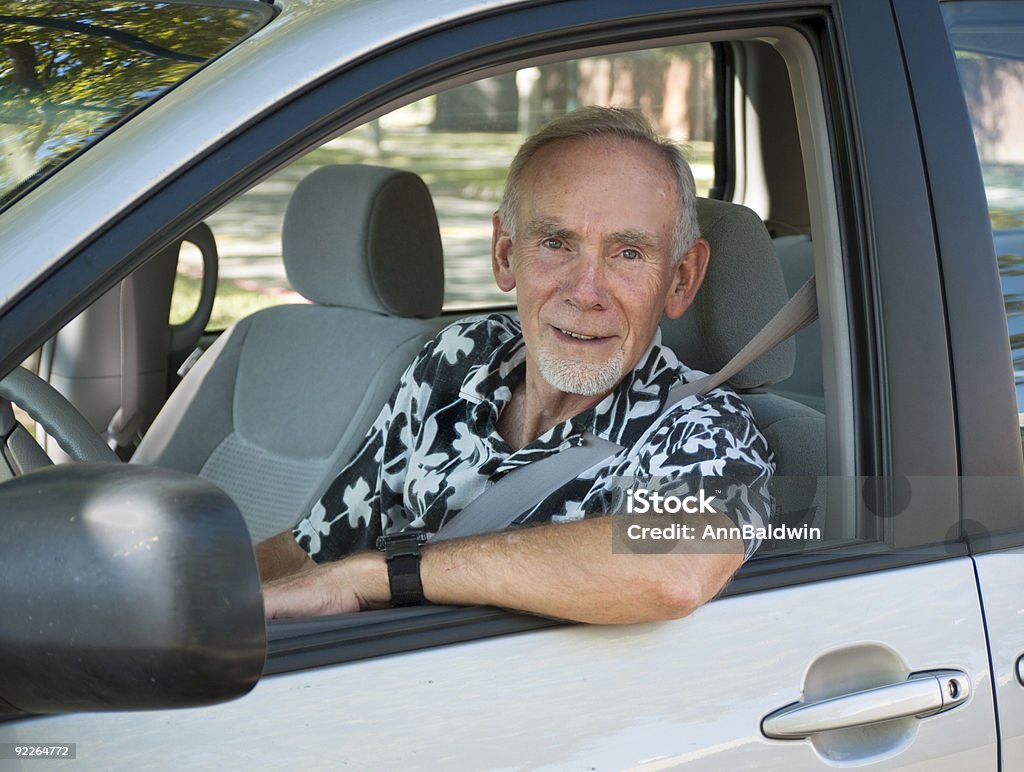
(402, 553)
(404, 579)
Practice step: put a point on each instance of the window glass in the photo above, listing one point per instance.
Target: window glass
(989, 42)
(461, 142)
(70, 72)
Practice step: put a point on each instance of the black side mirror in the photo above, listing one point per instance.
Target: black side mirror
(124, 587)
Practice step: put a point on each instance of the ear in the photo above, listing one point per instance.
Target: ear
(687, 278)
(501, 255)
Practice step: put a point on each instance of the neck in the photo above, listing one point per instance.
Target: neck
(536, 406)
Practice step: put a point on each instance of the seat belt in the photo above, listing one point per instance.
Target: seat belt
(526, 486)
(124, 429)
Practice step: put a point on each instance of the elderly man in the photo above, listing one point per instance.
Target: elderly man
(597, 234)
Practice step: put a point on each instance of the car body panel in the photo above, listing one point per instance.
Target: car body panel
(999, 578)
(568, 697)
(972, 294)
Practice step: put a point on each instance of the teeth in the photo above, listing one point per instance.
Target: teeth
(577, 335)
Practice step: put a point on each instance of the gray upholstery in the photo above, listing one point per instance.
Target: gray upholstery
(743, 290)
(796, 433)
(365, 237)
(743, 275)
(81, 363)
(282, 400)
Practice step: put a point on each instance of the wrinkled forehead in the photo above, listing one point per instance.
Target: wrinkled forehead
(581, 154)
(608, 175)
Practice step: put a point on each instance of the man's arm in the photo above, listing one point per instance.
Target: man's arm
(566, 571)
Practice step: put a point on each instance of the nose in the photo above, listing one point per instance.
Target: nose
(585, 286)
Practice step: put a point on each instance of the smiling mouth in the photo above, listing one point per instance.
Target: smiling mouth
(579, 335)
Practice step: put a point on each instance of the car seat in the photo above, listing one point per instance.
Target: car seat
(742, 290)
(283, 398)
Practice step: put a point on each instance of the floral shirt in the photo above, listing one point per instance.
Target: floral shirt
(435, 447)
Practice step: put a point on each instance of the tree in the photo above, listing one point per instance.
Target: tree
(69, 73)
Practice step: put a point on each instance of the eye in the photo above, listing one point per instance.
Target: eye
(630, 254)
(553, 243)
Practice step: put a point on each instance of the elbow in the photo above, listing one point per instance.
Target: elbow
(649, 599)
(677, 597)
(682, 589)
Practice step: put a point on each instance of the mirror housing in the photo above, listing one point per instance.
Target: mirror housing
(124, 587)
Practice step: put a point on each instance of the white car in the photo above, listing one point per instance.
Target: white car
(878, 143)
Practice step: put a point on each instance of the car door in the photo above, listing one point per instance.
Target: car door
(872, 636)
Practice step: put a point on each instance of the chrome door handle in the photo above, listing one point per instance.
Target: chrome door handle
(922, 694)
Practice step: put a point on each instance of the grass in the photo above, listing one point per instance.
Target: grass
(232, 302)
(463, 164)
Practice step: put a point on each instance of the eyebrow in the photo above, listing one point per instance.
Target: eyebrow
(551, 227)
(638, 237)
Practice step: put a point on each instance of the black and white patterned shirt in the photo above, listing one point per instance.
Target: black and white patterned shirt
(435, 447)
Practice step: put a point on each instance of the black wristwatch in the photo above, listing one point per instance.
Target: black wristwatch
(402, 552)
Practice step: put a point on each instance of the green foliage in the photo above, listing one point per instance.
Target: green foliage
(70, 72)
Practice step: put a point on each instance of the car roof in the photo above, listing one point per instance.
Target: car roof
(307, 41)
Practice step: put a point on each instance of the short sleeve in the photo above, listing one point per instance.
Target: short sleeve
(716, 445)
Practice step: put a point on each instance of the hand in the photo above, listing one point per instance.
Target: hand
(356, 583)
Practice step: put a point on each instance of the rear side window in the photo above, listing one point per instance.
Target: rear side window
(989, 42)
(70, 72)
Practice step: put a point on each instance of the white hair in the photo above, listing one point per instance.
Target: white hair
(607, 122)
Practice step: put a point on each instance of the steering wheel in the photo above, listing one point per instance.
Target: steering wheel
(55, 414)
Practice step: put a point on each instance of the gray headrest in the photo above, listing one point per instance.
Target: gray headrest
(365, 237)
(743, 289)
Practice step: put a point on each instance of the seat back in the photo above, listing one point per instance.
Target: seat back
(742, 290)
(283, 399)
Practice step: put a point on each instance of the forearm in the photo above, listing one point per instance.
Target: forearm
(565, 571)
(568, 571)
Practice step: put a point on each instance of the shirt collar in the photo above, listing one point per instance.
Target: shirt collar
(626, 413)
(621, 417)
(494, 379)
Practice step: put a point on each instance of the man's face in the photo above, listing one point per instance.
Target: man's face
(592, 260)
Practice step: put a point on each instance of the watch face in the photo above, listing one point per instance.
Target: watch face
(417, 537)
(407, 543)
